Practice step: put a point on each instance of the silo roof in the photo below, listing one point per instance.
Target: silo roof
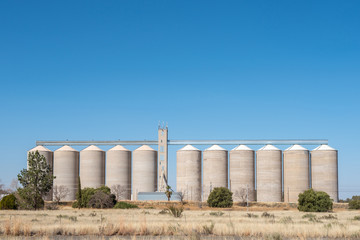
(92, 148)
(144, 148)
(40, 148)
(189, 148)
(118, 148)
(268, 148)
(242, 148)
(324, 148)
(296, 147)
(66, 148)
(215, 148)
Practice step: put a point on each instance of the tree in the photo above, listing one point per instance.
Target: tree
(181, 196)
(220, 197)
(37, 181)
(314, 201)
(119, 191)
(14, 185)
(168, 192)
(2, 189)
(60, 192)
(242, 195)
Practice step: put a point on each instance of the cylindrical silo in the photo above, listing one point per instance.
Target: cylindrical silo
(324, 171)
(144, 170)
(268, 174)
(92, 167)
(48, 154)
(118, 172)
(296, 172)
(242, 173)
(188, 173)
(215, 169)
(66, 171)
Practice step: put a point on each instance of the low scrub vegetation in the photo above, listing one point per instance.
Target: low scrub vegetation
(125, 205)
(196, 224)
(95, 198)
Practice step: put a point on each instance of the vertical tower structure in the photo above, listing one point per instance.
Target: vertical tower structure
(162, 158)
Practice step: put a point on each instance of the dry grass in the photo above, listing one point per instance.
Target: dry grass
(193, 224)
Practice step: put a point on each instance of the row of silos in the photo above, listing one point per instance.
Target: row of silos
(268, 172)
(89, 164)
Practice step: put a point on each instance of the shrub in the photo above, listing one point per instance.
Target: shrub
(125, 205)
(101, 200)
(8, 202)
(176, 212)
(357, 218)
(267, 215)
(314, 201)
(220, 197)
(354, 202)
(88, 193)
(217, 214)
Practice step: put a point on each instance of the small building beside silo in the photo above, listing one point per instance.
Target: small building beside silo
(324, 171)
(215, 169)
(66, 171)
(49, 156)
(242, 173)
(268, 174)
(118, 171)
(188, 173)
(92, 167)
(296, 172)
(144, 170)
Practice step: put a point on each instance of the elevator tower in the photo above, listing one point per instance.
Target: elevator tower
(162, 157)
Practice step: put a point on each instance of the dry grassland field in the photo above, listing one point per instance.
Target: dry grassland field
(153, 223)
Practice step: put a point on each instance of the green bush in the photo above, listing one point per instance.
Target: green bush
(220, 197)
(88, 193)
(354, 202)
(314, 201)
(125, 205)
(8, 202)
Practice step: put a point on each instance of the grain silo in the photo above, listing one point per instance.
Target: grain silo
(296, 172)
(48, 154)
(92, 167)
(324, 171)
(188, 173)
(144, 170)
(215, 169)
(118, 172)
(242, 173)
(268, 174)
(66, 171)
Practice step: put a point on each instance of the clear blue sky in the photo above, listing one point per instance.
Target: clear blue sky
(107, 70)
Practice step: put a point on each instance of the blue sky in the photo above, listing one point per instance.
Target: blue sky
(107, 70)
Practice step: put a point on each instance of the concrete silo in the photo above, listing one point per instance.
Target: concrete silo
(268, 174)
(296, 172)
(48, 154)
(66, 171)
(118, 171)
(324, 171)
(215, 169)
(92, 167)
(188, 173)
(144, 170)
(242, 173)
